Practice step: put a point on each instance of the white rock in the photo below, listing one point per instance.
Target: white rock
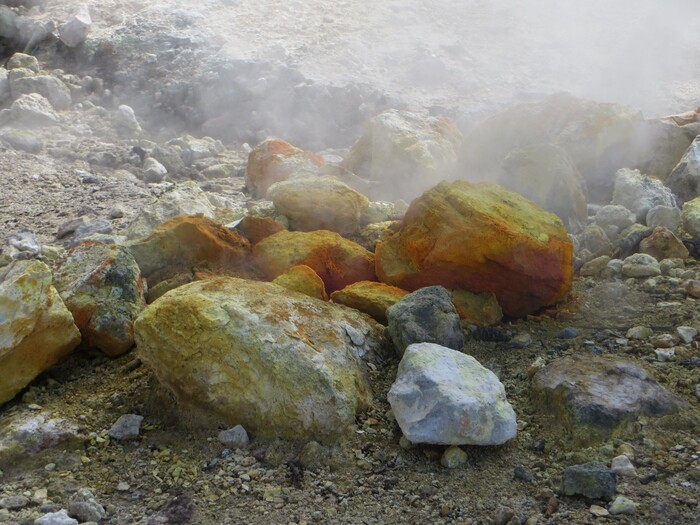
(665, 354)
(640, 265)
(125, 119)
(666, 216)
(622, 466)
(686, 333)
(622, 505)
(640, 193)
(56, 518)
(75, 30)
(442, 396)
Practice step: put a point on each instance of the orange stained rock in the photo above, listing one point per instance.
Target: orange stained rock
(370, 297)
(336, 260)
(274, 160)
(303, 279)
(255, 229)
(480, 238)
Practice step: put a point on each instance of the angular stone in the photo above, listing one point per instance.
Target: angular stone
(36, 328)
(128, 426)
(318, 203)
(50, 87)
(477, 309)
(304, 280)
(592, 480)
(546, 175)
(666, 216)
(255, 229)
(405, 152)
(252, 353)
(186, 242)
(425, 316)
(622, 466)
(32, 111)
(184, 199)
(274, 160)
(640, 193)
(56, 518)
(234, 438)
(84, 506)
(369, 297)
(480, 238)
(592, 396)
(338, 261)
(684, 180)
(74, 31)
(663, 244)
(101, 285)
(442, 396)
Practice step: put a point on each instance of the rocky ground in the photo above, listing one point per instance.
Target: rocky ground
(239, 71)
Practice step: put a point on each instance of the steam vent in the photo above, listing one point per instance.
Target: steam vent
(349, 263)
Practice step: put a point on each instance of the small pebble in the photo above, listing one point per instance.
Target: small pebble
(598, 511)
(453, 457)
(523, 474)
(622, 505)
(117, 212)
(568, 333)
(665, 354)
(639, 332)
(123, 486)
(686, 333)
(235, 437)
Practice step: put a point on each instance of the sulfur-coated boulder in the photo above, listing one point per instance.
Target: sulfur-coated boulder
(370, 297)
(545, 174)
(480, 238)
(252, 353)
(183, 199)
(255, 229)
(274, 160)
(188, 243)
(478, 309)
(336, 260)
(102, 287)
(37, 329)
(319, 203)
(304, 280)
(405, 152)
(600, 138)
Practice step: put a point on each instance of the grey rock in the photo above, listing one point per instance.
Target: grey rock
(665, 354)
(32, 110)
(74, 31)
(235, 437)
(50, 87)
(14, 502)
(22, 436)
(503, 516)
(684, 180)
(84, 506)
(56, 518)
(4, 85)
(125, 120)
(592, 480)
(640, 193)
(425, 316)
(614, 215)
(153, 171)
(442, 396)
(86, 230)
(31, 30)
(622, 466)
(599, 394)
(639, 332)
(116, 212)
(24, 241)
(568, 333)
(640, 265)
(22, 140)
(622, 505)
(521, 340)
(686, 333)
(70, 226)
(666, 216)
(183, 199)
(126, 427)
(23, 61)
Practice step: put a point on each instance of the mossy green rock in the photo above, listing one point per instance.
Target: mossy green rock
(275, 361)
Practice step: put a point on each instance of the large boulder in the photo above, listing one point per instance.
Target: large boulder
(691, 217)
(319, 203)
(275, 361)
(186, 244)
(336, 260)
(545, 174)
(182, 199)
(425, 316)
(405, 152)
(480, 238)
(685, 177)
(102, 287)
(640, 193)
(274, 160)
(369, 297)
(444, 397)
(37, 329)
(600, 138)
(591, 397)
